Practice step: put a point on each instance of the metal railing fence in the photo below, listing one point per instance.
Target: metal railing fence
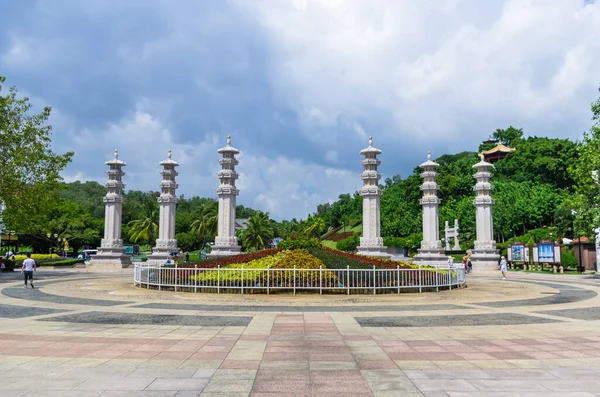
(251, 280)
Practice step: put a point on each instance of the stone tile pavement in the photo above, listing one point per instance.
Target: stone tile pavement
(295, 353)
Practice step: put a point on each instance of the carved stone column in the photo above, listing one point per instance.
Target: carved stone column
(110, 253)
(431, 251)
(371, 243)
(226, 243)
(166, 243)
(484, 254)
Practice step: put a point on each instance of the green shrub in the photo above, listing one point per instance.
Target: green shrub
(300, 243)
(348, 244)
(394, 241)
(63, 263)
(568, 259)
(354, 222)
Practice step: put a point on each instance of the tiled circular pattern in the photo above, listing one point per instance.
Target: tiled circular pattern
(532, 335)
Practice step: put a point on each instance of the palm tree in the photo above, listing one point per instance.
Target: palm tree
(314, 226)
(145, 228)
(206, 222)
(258, 232)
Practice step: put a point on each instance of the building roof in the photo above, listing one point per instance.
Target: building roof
(583, 240)
(500, 148)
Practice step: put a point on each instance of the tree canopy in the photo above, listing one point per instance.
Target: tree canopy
(29, 170)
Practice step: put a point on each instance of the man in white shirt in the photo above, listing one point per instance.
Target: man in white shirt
(28, 268)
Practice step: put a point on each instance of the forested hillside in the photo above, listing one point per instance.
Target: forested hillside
(532, 188)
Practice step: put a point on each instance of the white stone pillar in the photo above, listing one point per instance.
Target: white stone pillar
(484, 254)
(431, 251)
(166, 243)
(371, 243)
(110, 253)
(226, 243)
(456, 229)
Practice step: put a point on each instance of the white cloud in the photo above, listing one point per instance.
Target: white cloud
(282, 186)
(332, 156)
(438, 66)
(299, 78)
(288, 188)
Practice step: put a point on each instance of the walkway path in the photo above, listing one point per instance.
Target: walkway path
(83, 334)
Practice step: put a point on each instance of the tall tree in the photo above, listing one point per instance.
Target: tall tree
(206, 222)
(29, 170)
(145, 228)
(314, 226)
(586, 173)
(258, 233)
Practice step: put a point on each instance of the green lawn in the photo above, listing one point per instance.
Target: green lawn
(329, 244)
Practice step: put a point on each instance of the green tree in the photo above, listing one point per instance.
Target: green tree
(586, 173)
(206, 222)
(145, 228)
(313, 227)
(258, 233)
(29, 170)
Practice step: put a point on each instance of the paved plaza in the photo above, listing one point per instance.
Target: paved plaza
(88, 334)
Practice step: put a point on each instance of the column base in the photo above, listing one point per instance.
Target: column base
(108, 261)
(485, 258)
(378, 251)
(431, 257)
(218, 251)
(160, 255)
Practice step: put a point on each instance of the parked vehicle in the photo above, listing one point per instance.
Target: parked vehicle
(86, 255)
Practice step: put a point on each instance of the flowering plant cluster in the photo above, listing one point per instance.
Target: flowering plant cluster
(300, 259)
(382, 263)
(243, 258)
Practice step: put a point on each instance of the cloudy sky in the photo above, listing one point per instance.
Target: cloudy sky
(298, 84)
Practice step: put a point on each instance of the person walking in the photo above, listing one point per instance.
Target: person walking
(28, 268)
(469, 264)
(464, 262)
(503, 268)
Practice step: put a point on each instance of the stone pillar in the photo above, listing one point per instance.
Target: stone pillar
(456, 243)
(431, 251)
(166, 243)
(485, 253)
(371, 243)
(226, 243)
(110, 253)
(447, 236)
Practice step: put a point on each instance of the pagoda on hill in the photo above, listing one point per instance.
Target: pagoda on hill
(496, 153)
